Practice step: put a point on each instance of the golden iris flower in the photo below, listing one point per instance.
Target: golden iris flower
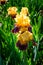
(23, 28)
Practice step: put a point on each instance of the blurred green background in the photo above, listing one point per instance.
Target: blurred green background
(9, 53)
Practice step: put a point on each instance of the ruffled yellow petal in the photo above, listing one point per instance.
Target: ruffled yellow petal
(22, 20)
(24, 11)
(25, 37)
(12, 11)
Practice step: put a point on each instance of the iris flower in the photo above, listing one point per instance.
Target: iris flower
(24, 29)
(3, 1)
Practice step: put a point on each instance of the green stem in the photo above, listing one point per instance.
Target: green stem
(35, 51)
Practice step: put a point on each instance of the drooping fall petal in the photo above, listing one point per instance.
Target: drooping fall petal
(15, 30)
(21, 47)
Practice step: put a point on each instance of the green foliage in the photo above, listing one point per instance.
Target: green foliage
(9, 53)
